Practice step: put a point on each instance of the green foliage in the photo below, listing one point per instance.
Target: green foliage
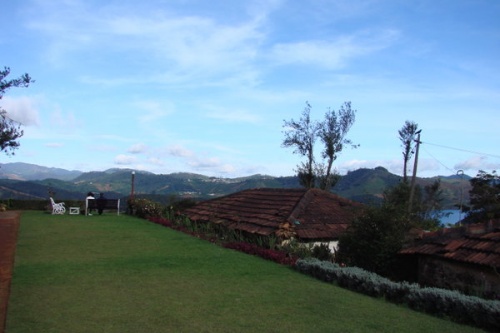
(302, 134)
(425, 203)
(332, 133)
(146, 208)
(461, 308)
(373, 240)
(438, 302)
(484, 197)
(322, 252)
(296, 248)
(10, 130)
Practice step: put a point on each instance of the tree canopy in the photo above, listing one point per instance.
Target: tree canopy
(10, 130)
(374, 240)
(484, 197)
(332, 131)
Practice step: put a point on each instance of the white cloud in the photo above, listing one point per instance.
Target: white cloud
(156, 161)
(185, 47)
(63, 121)
(125, 159)
(477, 163)
(21, 109)
(332, 54)
(198, 163)
(179, 151)
(212, 165)
(151, 111)
(138, 148)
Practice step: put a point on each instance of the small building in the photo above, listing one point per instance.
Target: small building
(465, 258)
(309, 215)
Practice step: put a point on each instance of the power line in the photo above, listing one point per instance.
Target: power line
(464, 150)
(446, 167)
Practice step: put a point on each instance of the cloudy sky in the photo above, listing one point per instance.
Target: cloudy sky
(204, 86)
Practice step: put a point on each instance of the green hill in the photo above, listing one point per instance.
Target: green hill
(363, 185)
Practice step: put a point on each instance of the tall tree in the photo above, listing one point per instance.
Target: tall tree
(484, 197)
(374, 240)
(332, 132)
(407, 135)
(301, 135)
(10, 130)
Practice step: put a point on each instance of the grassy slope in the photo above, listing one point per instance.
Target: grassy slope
(122, 274)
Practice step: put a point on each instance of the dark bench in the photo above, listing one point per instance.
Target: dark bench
(99, 203)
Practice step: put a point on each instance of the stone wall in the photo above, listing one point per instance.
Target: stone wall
(470, 279)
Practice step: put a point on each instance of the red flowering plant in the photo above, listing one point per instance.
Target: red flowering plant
(279, 257)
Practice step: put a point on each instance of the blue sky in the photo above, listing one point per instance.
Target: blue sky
(204, 86)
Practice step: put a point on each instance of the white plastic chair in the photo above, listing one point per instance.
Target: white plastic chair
(57, 208)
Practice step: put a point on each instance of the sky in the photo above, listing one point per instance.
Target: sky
(205, 86)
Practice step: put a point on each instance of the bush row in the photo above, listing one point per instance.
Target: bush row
(451, 304)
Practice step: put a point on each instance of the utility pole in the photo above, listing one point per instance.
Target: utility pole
(132, 187)
(415, 164)
(131, 198)
(461, 174)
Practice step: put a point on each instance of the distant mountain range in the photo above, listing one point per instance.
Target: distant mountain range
(26, 171)
(29, 181)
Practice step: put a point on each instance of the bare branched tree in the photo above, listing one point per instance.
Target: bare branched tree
(301, 135)
(332, 132)
(407, 136)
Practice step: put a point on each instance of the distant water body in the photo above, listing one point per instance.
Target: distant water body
(453, 216)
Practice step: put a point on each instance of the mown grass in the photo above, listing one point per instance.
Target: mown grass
(122, 274)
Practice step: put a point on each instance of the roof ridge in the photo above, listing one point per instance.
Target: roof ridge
(304, 200)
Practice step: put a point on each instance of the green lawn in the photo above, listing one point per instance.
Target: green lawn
(122, 274)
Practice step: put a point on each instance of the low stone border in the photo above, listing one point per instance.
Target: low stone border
(9, 226)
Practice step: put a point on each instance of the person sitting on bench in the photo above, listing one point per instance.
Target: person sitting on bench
(101, 203)
(90, 196)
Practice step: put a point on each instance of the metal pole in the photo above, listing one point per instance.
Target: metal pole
(415, 164)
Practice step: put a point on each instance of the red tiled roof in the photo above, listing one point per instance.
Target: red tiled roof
(475, 244)
(312, 213)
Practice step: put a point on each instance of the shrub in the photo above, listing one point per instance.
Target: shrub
(322, 252)
(296, 248)
(461, 308)
(161, 221)
(145, 208)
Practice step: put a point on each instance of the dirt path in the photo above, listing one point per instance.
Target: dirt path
(9, 226)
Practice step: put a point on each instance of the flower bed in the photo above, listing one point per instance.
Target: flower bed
(279, 257)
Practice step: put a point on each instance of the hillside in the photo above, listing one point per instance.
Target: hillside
(26, 171)
(362, 185)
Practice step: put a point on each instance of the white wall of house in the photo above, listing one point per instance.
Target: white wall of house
(332, 245)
